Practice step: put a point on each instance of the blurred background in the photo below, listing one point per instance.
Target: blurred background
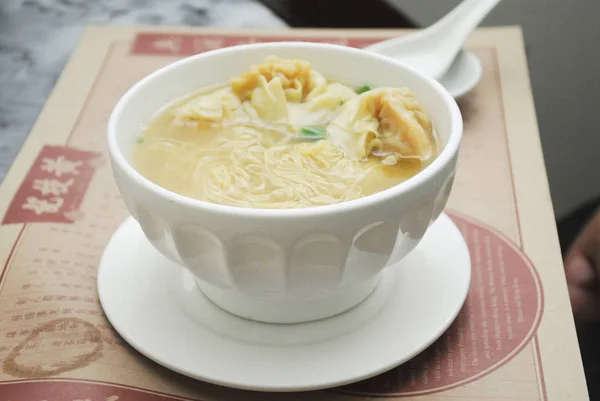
(37, 37)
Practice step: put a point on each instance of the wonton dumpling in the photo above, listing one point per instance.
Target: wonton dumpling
(405, 128)
(298, 80)
(317, 84)
(212, 107)
(333, 95)
(268, 99)
(389, 119)
(294, 92)
(356, 128)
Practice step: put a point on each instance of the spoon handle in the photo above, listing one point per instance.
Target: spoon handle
(433, 50)
(462, 20)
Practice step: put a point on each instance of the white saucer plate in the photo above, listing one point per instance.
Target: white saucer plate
(156, 306)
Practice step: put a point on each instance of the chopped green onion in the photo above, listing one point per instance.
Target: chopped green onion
(313, 132)
(341, 103)
(363, 89)
(140, 140)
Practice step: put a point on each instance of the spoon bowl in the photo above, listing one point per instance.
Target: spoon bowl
(463, 76)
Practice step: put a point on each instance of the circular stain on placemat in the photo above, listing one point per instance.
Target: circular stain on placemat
(501, 313)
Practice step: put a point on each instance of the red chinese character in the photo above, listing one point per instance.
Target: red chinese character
(74, 298)
(16, 317)
(26, 286)
(247, 41)
(11, 334)
(52, 187)
(67, 310)
(170, 44)
(47, 298)
(29, 315)
(60, 166)
(21, 301)
(41, 314)
(53, 312)
(24, 332)
(57, 343)
(204, 44)
(61, 297)
(41, 206)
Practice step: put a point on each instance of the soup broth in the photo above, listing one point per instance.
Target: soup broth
(282, 136)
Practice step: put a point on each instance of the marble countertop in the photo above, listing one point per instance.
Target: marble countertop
(38, 36)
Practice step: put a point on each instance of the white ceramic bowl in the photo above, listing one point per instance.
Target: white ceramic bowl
(285, 265)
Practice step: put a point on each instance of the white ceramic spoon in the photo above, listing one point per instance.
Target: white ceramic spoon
(436, 50)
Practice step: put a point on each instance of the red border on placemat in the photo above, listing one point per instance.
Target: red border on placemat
(94, 382)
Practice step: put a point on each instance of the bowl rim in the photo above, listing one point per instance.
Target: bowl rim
(444, 157)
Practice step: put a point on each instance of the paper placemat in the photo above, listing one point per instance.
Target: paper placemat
(514, 339)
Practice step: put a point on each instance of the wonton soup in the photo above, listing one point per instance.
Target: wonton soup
(283, 136)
